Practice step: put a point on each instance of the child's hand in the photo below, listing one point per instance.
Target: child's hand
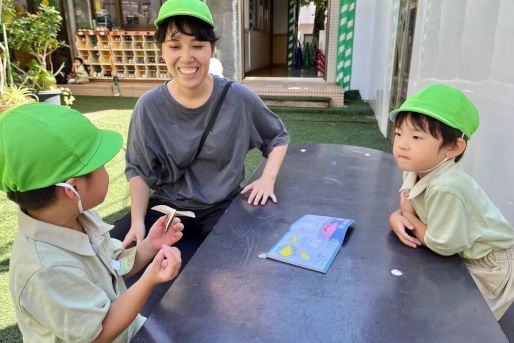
(156, 236)
(164, 267)
(399, 225)
(405, 204)
(135, 235)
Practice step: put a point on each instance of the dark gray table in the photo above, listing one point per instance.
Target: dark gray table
(228, 294)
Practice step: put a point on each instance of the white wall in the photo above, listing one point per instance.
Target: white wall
(373, 51)
(474, 51)
(363, 46)
(257, 54)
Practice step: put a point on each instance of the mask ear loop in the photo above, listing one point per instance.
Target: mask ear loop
(445, 159)
(70, 187)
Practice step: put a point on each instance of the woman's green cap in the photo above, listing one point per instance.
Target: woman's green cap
(42, 144)
(194, 8)
(446, 104)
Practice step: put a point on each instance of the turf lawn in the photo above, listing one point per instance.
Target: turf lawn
(351, 126)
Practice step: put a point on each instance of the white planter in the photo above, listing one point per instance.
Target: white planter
(52, 96)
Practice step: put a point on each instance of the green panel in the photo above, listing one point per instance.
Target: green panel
(345, 43)
(291, 30)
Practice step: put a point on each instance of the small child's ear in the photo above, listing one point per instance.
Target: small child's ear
(457, 149)
(68, 192)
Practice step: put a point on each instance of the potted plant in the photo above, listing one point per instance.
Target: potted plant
(36, 35)
(14, 95)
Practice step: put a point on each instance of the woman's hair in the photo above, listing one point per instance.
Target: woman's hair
(436, 128)
(187, 25)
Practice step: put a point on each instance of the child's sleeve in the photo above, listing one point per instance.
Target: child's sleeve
(450, 229)
(66, 301)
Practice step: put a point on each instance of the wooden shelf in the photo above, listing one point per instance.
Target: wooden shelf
(131, 55)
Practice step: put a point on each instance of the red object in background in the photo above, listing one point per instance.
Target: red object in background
(320, 62)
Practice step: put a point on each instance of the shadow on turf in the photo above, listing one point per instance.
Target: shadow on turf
(10, 334)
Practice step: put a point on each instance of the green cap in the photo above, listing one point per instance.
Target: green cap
(42, 144)
(446, 104)
(194, 8)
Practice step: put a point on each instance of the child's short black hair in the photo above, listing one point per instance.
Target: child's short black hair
(436, 128)
(35, 199)
(187, 25)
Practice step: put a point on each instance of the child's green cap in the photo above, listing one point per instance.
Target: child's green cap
(42, 144)
(194, 8)
(446, 104)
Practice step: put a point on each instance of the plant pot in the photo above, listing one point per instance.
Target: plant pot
(52, 96)
(4, 108)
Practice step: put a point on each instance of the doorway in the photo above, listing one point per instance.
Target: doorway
(402, 56)
(284, 38)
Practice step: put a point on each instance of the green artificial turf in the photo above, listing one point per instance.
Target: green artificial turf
(351, 125)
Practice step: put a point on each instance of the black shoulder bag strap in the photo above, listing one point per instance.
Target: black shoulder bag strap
(213, 117)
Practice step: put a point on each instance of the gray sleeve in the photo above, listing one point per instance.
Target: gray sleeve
(140, 159)
(268, 131)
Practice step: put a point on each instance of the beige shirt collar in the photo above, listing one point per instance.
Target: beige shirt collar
(416, 187)
(64, 237)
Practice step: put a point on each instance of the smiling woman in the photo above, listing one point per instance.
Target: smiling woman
(187, 45)
(188, 137)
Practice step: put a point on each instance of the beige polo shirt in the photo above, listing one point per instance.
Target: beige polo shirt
(62, 282)
(460, 217)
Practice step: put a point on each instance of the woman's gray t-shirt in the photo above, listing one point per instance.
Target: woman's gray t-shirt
(164, 137)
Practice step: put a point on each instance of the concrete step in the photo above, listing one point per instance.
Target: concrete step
(107, 88)
(296, 94)
(296, 101)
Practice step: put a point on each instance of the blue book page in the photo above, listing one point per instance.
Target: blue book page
(311, 242)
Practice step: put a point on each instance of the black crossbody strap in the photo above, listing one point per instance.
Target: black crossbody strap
(213, 116)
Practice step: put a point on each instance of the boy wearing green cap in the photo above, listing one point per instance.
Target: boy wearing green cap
(442, 206)
(65, 272)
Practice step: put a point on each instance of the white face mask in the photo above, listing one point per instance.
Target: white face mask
(66, 185)
(445, 159)
(437, 165)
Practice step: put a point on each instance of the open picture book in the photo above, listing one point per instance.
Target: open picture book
(311, 242)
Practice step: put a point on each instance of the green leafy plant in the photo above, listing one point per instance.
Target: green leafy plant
(38, 77)
(36, 34)
(6, 16)
(15, 95)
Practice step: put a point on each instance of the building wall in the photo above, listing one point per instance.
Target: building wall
(373, 54)
(331, 43)
(257, 54)
(228, 25)
(474, 52)
(362, 46)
